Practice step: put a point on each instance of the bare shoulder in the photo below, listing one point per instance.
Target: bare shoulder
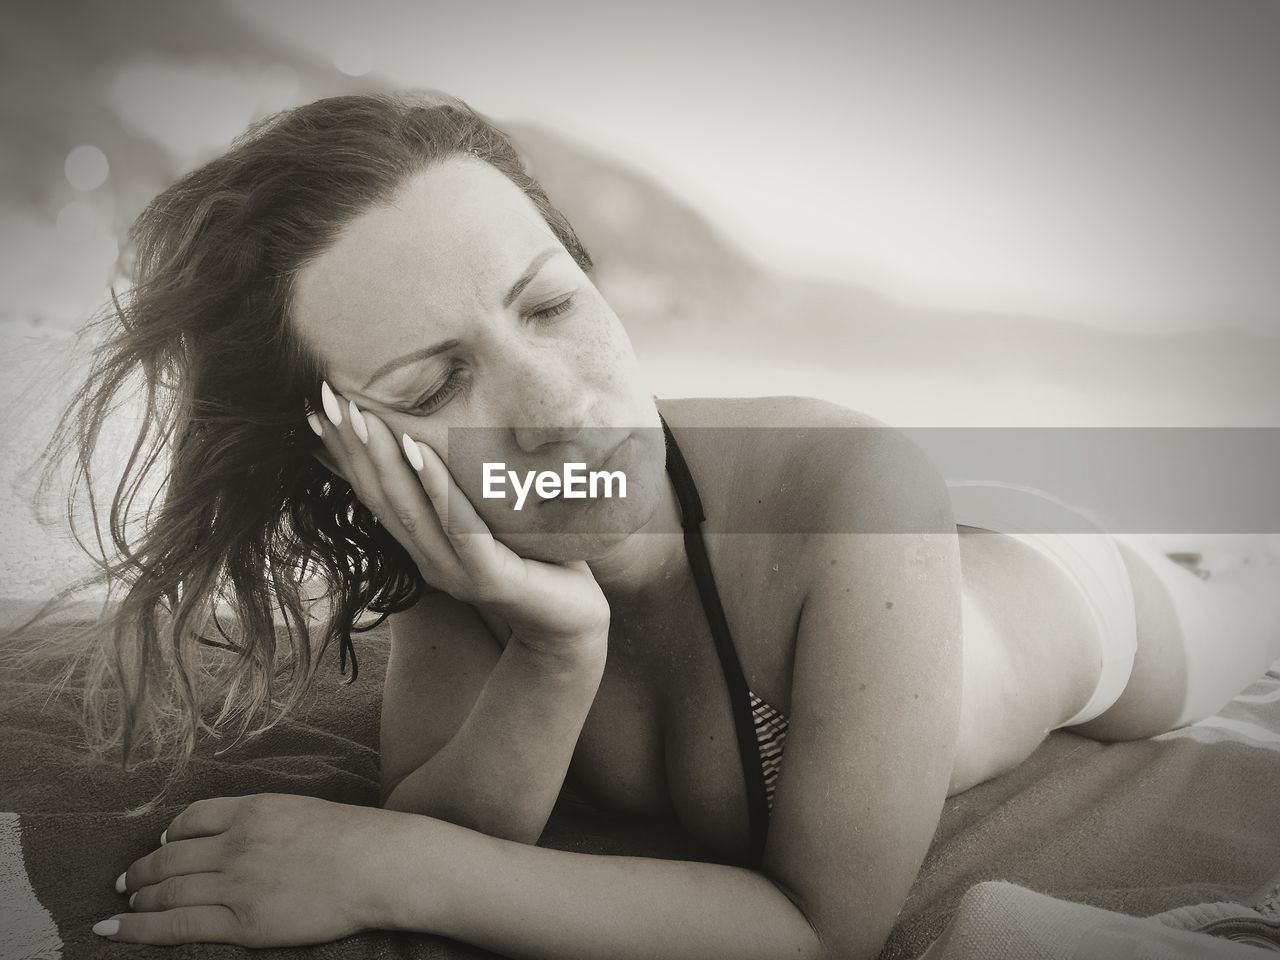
(813, 459)
(764, 441)
(778, 411)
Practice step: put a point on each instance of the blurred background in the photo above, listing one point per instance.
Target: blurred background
(944, 214)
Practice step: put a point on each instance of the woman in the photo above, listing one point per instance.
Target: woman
(802, 703)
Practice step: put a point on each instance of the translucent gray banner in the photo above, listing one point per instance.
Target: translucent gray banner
(865, 480)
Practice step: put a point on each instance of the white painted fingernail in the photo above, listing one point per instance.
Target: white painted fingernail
(164, 836)
(316, 426)
(413, 453)
(132, 897)
(120, 883)
(357, 422)
(107, 928)
(331, 408)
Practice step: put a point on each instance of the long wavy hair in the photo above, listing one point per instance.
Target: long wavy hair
(244, 514)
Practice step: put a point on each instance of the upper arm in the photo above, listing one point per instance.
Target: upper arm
(875, 698)
(442, 653)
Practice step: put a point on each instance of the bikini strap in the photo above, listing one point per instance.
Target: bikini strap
(691, 518)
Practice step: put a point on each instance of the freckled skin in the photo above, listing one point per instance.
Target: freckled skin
(433, 265)
(425, 268)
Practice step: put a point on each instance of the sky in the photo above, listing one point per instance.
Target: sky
(1109, 161)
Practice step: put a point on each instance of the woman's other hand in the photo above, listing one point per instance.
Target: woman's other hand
(261, 870)
(550, 606)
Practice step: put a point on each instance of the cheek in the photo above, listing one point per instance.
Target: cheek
(600, 521)
(603, 349)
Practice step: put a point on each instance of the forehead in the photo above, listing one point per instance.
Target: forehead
(417, 268)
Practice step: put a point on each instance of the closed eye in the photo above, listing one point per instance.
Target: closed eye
(452, 385)
(555, 309)
(457, 380)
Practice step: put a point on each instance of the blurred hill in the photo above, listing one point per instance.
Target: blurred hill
(679, 284)
(160, 87)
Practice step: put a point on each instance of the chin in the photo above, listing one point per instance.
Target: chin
(580, 530)
(567, 530)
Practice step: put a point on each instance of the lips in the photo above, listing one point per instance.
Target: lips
(599, 464)
(603, 461)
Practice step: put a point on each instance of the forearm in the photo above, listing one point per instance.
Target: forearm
(526, 901)
(502, 771)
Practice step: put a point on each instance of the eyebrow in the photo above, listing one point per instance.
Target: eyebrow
(423, 353)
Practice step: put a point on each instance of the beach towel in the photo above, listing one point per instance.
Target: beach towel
(1189, 817)
(1003, 921)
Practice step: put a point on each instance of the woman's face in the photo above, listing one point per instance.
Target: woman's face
(453, 314)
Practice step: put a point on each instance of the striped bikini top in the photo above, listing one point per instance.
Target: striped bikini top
(761, 729)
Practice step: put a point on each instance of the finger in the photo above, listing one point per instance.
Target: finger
(203, 818)
(341, 424)
(313, 421)
(403, 500)
(467, 533)
(331, 453)
(349, 446)
(329, 403)
(339, 434)
(206, 924)
(192, 890)
(176, 858)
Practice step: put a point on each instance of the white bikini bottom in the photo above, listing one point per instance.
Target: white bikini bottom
(1082, 549)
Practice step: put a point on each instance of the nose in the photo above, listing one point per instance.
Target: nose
(551, 405)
